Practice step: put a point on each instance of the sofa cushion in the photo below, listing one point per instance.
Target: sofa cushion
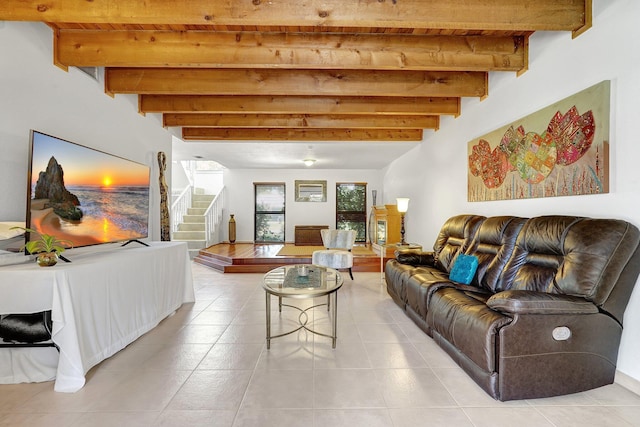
(333, 258)
(596, 252)
(467, 324)
(396, 275)
(538, 254)
(493, 244)
(464, 268)
(416, 258)
(420, 286)
(572, 256)
(455, 236)
(529, 302)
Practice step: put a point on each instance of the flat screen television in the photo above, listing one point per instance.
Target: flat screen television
(86, 196)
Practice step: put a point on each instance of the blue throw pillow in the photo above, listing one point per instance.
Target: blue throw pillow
(464, 268)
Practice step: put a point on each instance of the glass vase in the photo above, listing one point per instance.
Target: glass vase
(47, 259)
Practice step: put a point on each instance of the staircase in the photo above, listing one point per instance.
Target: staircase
(192, 227)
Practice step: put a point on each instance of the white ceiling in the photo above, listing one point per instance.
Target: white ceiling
(289, 155)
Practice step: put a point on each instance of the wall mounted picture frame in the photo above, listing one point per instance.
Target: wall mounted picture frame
(560, 150)
(311, 191)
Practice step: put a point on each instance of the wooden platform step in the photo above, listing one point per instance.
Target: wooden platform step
(260, 258)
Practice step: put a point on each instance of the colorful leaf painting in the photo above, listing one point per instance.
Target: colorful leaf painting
(573, 134)
(491, 166)
(559, 150)
(510, 144)
(534, 156)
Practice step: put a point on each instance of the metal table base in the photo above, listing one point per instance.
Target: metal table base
(303, 314)
(316, 282)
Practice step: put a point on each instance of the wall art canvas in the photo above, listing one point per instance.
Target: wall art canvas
(561, 150)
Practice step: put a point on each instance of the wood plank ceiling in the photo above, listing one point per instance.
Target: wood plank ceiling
(310, 70)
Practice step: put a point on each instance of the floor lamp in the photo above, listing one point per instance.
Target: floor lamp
(403, 207)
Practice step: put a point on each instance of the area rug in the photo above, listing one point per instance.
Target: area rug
(292, 250)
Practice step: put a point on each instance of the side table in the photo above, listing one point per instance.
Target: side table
(383, 252)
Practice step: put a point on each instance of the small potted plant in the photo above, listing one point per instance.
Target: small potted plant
(46, 247)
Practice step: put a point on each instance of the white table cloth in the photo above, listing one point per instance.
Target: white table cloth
(100, 302)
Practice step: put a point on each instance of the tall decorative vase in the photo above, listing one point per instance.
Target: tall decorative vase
(165, 224)
(232, 229)
(372, 220)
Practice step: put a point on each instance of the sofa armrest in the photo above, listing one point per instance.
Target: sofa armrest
(531, 302)
(415, 258)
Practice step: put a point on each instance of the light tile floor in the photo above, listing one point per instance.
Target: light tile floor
(207, 365)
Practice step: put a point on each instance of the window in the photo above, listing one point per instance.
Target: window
(269, 220)
(351, 208)
(311, 191)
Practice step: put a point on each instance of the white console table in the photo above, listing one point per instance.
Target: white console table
(100, 302)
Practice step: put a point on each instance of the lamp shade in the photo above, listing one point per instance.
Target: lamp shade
(403, 204)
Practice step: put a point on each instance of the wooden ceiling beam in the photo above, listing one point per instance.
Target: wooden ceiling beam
(351, 135)
(300, 121)
(298, 104)
(530, 15)
(90, 48)
(199, 81)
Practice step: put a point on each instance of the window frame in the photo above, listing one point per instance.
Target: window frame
(257, 212)
(360, 216)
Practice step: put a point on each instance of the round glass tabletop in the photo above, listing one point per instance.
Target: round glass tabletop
(302, 281)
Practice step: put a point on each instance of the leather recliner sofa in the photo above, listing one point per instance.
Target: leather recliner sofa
(543, 313)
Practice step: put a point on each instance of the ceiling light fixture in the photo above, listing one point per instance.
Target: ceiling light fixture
(309, 162)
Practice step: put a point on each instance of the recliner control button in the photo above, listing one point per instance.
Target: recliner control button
(561, 333)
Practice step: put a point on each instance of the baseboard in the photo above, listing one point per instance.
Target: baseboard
(627, 382)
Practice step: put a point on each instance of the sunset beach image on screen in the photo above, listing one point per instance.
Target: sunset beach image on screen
(85, 195)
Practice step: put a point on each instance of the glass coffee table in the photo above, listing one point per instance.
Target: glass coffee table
(303, 281)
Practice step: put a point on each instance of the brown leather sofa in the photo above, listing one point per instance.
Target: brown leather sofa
(543, 314)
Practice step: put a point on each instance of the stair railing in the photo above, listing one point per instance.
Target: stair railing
(180, 207)
(213, 220)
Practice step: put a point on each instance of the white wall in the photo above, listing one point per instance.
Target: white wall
(240, 196)
(209, 181)
(35, 94)
(179, 179)
(434, 174)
